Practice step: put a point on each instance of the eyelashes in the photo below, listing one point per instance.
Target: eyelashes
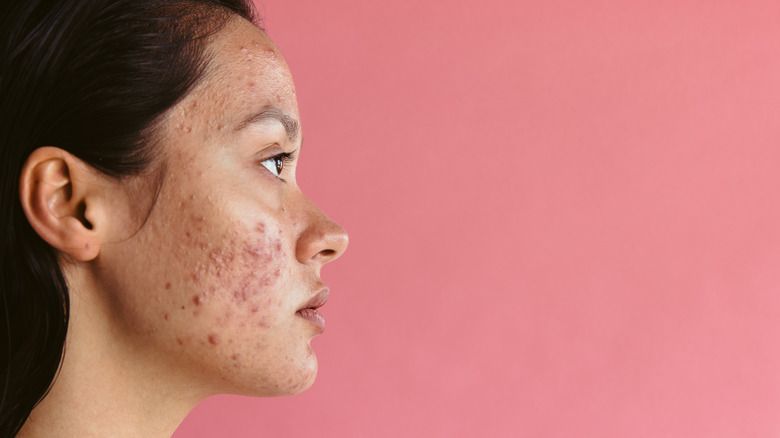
(277, 163)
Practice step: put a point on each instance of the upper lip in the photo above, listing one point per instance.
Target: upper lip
(318, 300)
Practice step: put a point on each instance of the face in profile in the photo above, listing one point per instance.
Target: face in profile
(216, 288)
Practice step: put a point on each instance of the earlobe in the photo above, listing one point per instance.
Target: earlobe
(61, 201)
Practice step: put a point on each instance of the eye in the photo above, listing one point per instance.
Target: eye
(274, 164)
(277, 163)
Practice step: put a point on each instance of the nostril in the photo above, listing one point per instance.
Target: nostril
(327, 252)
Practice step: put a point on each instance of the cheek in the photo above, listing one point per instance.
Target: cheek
(230, 283)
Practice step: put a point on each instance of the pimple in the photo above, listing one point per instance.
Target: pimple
(196, 300)
(167, 316)
(235, 356)
(213, 339)
(179, 341)
(168, 285)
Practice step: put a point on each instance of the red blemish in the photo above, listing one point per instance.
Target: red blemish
(167, 317)
(277, 273)
(167, 285)
(260, 228)
(240, 295)
(234, 357)
(278, 246)
(196, 300)
(179, 341)
(213, 339)
(255, 309)
(187, 234)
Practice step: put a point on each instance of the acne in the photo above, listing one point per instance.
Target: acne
(229, 251)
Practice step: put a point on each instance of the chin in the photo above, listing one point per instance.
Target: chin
(288, 381)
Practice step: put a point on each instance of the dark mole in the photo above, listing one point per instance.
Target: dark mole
(196, 300)
(182, 307)
(167, 285)
(213, 339)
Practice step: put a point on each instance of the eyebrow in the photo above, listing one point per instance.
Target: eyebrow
(291, 126)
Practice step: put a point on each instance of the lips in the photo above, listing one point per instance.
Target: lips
(309, 311)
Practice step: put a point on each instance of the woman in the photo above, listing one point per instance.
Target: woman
(156, 247)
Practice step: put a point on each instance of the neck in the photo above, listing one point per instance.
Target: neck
(106, 387)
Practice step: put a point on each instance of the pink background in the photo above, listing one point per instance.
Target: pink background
(565, 219)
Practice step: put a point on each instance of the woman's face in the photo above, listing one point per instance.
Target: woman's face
(217, 286)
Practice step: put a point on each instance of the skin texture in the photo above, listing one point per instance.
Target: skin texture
(201, 295)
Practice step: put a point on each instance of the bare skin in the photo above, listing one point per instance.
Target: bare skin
(208, 293)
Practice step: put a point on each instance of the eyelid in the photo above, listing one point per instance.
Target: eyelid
(286, 158)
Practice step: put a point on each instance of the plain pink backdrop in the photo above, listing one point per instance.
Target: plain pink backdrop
(565, 219)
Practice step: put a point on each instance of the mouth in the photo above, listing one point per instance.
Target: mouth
(309, 311)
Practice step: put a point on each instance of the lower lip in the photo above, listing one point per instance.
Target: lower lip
(312, 316)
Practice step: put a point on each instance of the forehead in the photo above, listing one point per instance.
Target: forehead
(246, 72)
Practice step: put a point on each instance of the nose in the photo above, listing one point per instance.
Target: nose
(322, 240)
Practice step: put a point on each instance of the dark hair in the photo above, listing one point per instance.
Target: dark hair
(92, 77)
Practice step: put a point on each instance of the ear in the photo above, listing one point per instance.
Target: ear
(61, 197)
